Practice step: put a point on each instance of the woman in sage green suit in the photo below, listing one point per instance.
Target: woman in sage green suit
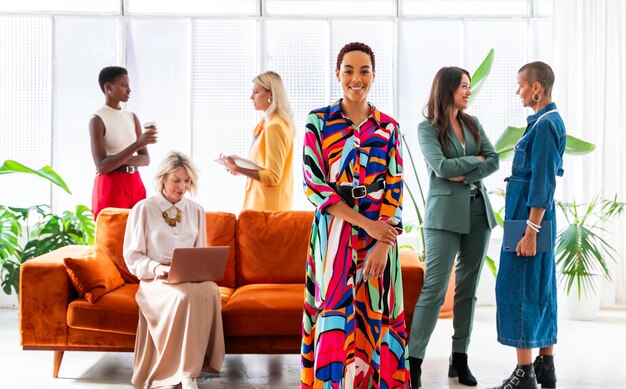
(458, 218)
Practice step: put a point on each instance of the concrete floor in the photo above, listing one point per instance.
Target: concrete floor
(589, 355)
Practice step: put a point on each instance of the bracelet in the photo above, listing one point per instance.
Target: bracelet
(535, 225)
(532, 227)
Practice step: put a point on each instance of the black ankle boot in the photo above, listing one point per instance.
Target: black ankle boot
(523, 377)
(544, 370)
(458, 368)
(415, 366)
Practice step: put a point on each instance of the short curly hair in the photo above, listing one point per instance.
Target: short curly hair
(109, 74)
(356, 46)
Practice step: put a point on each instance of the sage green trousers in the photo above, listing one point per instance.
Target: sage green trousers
(442, 248)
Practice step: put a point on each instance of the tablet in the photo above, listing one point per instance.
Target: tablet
(515, 229)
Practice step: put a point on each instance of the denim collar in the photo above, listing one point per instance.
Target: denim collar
(545, 109)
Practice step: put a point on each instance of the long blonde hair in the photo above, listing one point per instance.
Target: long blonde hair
(280, 106)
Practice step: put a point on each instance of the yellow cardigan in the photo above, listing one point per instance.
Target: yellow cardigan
(272, 149)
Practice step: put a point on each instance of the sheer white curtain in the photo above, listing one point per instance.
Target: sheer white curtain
(590, 91)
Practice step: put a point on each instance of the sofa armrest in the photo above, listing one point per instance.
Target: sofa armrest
(45, 293)
(412, 281)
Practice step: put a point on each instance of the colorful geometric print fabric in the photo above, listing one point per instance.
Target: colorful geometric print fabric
(353, 331)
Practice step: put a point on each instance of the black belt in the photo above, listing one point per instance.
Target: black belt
(127, 169)
(475, 194)
(350, 193)
(515, 178)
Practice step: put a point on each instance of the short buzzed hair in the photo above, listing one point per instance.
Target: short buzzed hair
(539, 72)
(109, 74)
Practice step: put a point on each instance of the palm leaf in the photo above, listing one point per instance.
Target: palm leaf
(46, 172)
(575, 146)
(492, 265)
(505, 144)
(582, 253)
(480, 75)
(507, 140)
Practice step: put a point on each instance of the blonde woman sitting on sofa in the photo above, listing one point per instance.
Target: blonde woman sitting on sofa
(180, 325)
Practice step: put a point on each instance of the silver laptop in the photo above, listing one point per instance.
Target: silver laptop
(196, 264)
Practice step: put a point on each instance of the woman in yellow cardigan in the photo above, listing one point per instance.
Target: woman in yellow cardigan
(270, 188)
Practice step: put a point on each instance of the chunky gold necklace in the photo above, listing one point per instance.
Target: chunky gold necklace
(173, 220)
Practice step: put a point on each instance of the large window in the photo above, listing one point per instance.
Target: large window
(191, 64)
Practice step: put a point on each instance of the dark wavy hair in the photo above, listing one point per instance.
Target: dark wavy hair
(109, 74)
(356, 46)
(441, 101)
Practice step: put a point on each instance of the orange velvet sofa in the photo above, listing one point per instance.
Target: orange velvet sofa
(262, 290)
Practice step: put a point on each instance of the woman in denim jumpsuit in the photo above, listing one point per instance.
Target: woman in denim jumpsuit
(526, 283)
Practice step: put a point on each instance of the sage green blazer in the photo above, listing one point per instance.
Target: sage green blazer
(448, 202)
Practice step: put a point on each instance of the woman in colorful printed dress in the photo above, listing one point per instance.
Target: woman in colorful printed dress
(526, 284)
(270, 189)
(353, 332)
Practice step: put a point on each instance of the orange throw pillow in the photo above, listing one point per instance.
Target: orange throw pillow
(93, 274)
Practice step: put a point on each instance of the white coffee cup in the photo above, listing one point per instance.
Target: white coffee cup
(148, 125)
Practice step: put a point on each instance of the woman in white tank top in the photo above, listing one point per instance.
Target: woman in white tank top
(118, 146)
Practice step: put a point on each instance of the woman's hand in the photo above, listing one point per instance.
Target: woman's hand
(230, 164)
(481, 158)
(161, 272)
(376, 261)
(382, 230)
(148, 137)
(527, 246)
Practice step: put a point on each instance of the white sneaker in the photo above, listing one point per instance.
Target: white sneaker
(189, 383)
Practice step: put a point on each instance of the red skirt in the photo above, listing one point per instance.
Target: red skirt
(116, 189)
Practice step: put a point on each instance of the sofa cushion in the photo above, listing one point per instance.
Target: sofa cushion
(272, 247)
(116, 311)
(92, 275)
(111, 226)
(220, 231)
(110, 229)
(225, 294)
(264, 309)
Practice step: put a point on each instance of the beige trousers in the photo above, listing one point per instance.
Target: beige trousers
(179, 332)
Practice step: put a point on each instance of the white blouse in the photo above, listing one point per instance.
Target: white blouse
(150, 241)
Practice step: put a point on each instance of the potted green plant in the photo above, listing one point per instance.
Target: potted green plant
(29, 232)
(582, 254)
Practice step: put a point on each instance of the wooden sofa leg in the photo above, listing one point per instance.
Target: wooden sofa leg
(58, 357)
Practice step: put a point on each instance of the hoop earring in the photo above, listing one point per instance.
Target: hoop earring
(270, 100)
(537, 98)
